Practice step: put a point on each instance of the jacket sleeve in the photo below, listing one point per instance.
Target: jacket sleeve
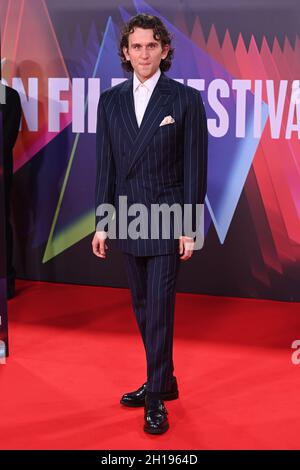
(195, 159)
(106, 174)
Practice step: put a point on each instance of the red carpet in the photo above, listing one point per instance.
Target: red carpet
(75, 350)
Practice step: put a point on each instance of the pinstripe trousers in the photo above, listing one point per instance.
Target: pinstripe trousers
(152, 281)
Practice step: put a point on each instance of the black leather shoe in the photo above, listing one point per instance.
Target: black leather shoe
(137, 398)
(155, 417)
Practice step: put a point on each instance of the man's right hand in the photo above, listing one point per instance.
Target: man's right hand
(99, 245)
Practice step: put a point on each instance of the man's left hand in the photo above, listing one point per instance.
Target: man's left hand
(186, 247)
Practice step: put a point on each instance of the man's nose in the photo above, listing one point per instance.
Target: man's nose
(145, 52)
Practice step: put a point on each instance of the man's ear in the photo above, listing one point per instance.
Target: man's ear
(125, 52)
(165, 51)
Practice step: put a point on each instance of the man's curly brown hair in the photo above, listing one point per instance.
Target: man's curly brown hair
(160, 33)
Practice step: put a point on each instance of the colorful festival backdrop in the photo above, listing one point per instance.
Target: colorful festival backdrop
(244, 58)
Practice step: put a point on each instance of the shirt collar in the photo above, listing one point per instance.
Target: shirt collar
(149, 84)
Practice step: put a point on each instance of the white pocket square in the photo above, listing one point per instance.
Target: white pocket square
(167, 120)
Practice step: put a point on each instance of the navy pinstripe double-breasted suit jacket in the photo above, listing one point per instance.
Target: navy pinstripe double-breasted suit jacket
(151, 163)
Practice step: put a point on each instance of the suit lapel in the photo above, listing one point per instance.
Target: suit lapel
(161, 98)
(127, 111)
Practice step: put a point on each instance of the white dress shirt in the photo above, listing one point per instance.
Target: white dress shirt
(142, 93)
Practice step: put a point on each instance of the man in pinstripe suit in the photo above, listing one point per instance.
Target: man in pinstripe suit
(151, 148)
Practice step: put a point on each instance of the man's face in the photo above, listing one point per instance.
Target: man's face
(144, 53)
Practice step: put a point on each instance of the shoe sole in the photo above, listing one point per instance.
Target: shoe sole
(132, 405)
(156, 431)
(170, 397)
